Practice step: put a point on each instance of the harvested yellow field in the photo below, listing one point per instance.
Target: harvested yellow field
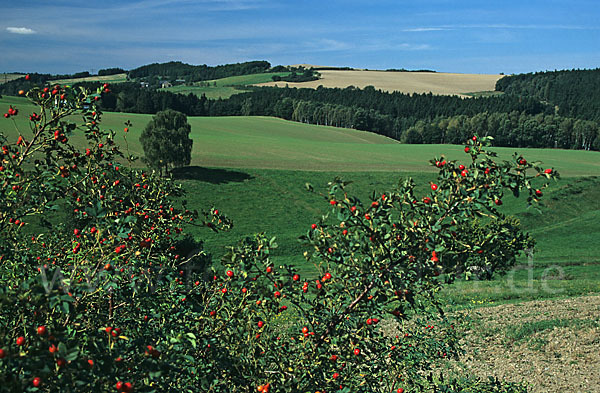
(116, 78)
(405, 82)
(9, 77)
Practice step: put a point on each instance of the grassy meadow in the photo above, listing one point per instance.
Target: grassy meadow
(211, 92)
(272, 143)
(224, 87)
(254, 169)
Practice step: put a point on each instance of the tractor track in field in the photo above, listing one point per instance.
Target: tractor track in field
(553, 345)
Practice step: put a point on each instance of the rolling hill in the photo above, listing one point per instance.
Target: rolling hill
(255, 168)
(273, 143)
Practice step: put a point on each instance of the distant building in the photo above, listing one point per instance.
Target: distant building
(144, 85)
(165, 84)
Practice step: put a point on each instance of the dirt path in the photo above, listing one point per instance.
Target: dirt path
(554, 345)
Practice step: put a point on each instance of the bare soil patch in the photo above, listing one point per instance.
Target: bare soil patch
(554, 345)
(405, 82)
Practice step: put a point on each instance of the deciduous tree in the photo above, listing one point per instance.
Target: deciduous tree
(166, 141)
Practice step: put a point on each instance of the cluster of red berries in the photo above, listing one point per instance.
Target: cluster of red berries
(115, 332)
(306, 332)
(263, 388)
(124, 387)
(56, 90)
(11, 112)
(21, 341)
(16, 221)
(120, 248)
(59, 136)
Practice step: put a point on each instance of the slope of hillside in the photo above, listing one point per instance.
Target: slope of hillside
(272, 143)
(405, 82)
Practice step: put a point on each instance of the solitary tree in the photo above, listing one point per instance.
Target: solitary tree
(166, 141)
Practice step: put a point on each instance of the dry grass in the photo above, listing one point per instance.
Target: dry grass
(405, 82)
(551, 344)
(116, 78)
(9, 77)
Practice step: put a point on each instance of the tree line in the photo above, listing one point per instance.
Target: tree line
(574, 93)
(512, 129)
(193, 73)
(410, 118)
(111, 71)
(306, 75)
(416, 118)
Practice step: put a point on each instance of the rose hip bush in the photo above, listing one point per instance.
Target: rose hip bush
(92, 256)
(100, 290)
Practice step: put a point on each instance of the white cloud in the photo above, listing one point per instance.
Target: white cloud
(499, 26)
(419, 29)
(20, 30)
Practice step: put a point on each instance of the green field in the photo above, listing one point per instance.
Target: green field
(211, 92)
(271, 143)
(254, 169)
(245, 80)
(224, 87)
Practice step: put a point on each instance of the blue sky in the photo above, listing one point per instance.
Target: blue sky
(483, 36)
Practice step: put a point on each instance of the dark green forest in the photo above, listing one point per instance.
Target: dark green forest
(301, 75)
(574, 93)
(111, 71)
(192, 73)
